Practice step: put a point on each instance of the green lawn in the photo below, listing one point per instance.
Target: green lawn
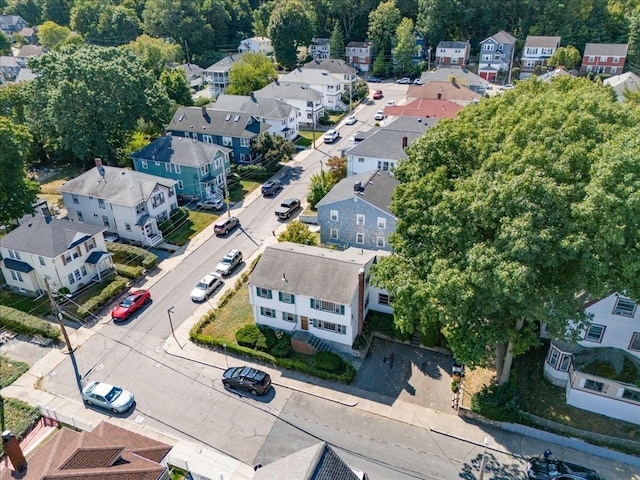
(235, 314)
(238, 193)
(195, 223)
(10, 370)
(307, 136)
(34, 306)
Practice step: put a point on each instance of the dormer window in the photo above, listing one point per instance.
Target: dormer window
(624, 307)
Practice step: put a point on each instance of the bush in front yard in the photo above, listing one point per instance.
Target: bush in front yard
(132, 255)
(21, 322)
(108, 292)
(128, 271)
(248, 335)
(175, 220)
(497, 402)
(282, 348)
(329, 362)
(267, 339)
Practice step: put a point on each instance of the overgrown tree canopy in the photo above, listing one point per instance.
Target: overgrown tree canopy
(85, 102)
(50, 35)
(17, 192)
(251, 72)
(567, 57)
(291, 25)
(501, 227)
(298, 232)
(271, 148)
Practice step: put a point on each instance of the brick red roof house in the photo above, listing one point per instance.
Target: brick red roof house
(107, 452)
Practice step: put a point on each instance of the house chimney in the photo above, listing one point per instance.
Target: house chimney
(204, 112)
(405, 142)
(361, 299)
(12, 448)
(439, 96)
(357, 187)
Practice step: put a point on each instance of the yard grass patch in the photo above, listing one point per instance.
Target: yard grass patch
(35, 306)
(10, 370)
(235, 314)
(194, 224)
(18, 416)
(238, 193)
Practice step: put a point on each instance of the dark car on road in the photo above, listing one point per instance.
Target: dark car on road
(225, 225)
(552, 469)
(131, 304)
(255, 381)
(271, 187)
(374, 79)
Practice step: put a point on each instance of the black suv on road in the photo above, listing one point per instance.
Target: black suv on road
(271, 187)
(251, 379)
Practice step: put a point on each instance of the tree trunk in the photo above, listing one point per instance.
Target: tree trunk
(508, 358)
(501, 349)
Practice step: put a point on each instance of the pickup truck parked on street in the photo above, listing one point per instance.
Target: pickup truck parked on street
(287, 208)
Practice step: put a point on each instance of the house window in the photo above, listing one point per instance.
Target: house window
(157, 164)
(360, 159)
(633, 395)
(635, 342)
(286, 297)
(144, 164)
(594, 333)
(603, 59)
(487, 46)
(127, 227)
(624, 307)
(558, 360)
(83, 270)
(42, 262)
(263, 292)
(384, 299)
(157, 200)
(325, 306)
(177, 169)
(204, 169)
(334, 215)
(360, 219)
(80, 216)
(140, 208)
(245, 142)
(289, 317)
(593, 385)
(330, 326)
(17, 276)
(77, 274)
(616, 59)
(359, 237)
(14, 254)
(74, 198)
(180, 185)
(71, 279)
(382, 223)
(613, 69)
(592, 59)
(101, 204)
(67, 258)
(76, 254)
(380, 242)
(333, 234)
(167, 167)
(226, 141)
(105, 221)
(267, 312)
(207, 139)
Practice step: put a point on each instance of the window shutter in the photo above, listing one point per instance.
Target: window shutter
(341, 309)
(313, 304)
(280, 296)
(79, 250)
(293, 298)
(64, 260)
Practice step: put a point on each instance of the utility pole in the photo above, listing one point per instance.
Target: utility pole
(484, 458)
(56, 312)
(169, 312)
(227, 200)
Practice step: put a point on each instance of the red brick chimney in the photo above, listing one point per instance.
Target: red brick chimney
(14, 452)
(405, 142)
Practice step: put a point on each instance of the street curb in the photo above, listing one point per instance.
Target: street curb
(166, 348)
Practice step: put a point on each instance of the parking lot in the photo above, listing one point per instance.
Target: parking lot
(408, 373)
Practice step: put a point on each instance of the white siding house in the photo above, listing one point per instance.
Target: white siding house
(256, 45)
(325, 293)
(70, 255)
(322, 81)
(305, 100)
(126, 202)
(612, 338)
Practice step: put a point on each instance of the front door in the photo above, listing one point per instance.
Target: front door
(304, 323)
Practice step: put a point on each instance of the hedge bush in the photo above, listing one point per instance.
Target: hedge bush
(21, 322)
(248, 335)
(108, 292)
(282, 348)
(132, 255)
(175, 220)
(267, 340)
(128, 271)
(497, 402)
(328, 361)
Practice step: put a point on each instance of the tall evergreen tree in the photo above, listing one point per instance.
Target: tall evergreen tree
(336, 42)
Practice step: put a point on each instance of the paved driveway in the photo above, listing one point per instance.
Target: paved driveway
(407, 373)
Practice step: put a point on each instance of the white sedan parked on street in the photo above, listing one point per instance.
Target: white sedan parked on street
(206, 287)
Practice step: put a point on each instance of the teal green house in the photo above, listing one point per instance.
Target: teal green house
(201, 169)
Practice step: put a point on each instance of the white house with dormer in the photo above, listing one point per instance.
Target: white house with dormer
(318, 292)
(611, 340)
(537, 50)
(323, 82)
(67, 254)
(128, 203)
(307, 102)
(256, 45)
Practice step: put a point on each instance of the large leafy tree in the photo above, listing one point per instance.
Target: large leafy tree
(351, 13)
(271, 148)
(406, 47)
(156, 53)
(17, 191)
(383, 22)
(291, 26)
(85, 102)
(298, 232)
(5, 44)
(50, 34)
(501, 227)
(57, 11)
(251, 72)
(567, 57)
(175, 83)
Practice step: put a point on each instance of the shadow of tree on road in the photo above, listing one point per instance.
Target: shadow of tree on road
(493, 469)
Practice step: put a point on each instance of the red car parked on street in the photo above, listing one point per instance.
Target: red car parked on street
(130, 305)
(377, 95)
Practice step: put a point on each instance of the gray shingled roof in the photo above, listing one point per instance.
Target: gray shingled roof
(47, 236)
(119, 186)
(448, 44)
(501, 37)
(289, 90)
(411, 124)
(606, 49)
(378, 187)
(386, 143)
(315, 272)
(310, 76)
(542, 41)
(180, 151)
(225, 63)
(253, 105)
(318, 462)
(215, 122)
(332, 65)
(444, 74)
